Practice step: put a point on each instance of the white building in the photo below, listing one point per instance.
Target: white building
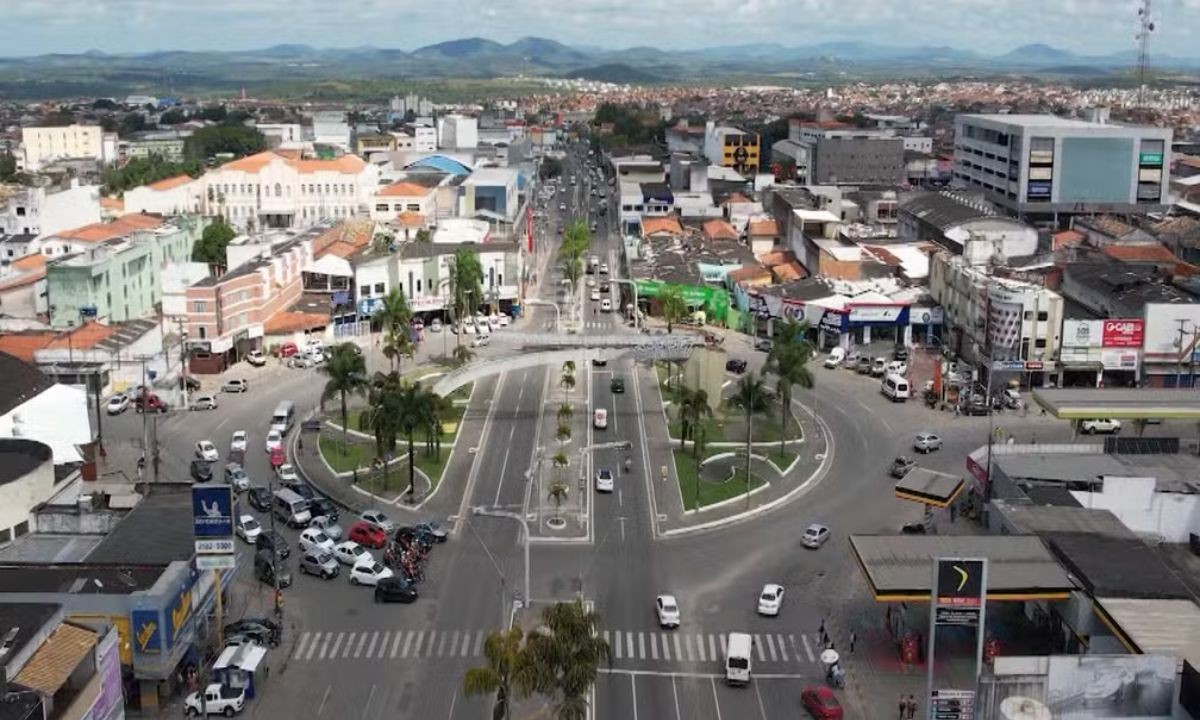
(966, 226)
(404, 196)
(44, 145)
(329, 127)
(459, 132)
(270, 191)
(281, 133)
(178, 195)
(424, 138)
(39, 211)
(34, 407)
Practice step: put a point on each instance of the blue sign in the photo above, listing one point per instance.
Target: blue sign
(147, 635)
(341, 298)
(212, 511)
(367, 306)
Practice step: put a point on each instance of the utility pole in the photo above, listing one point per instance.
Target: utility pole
(1179, 347)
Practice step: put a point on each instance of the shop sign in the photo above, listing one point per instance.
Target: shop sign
(147, 636)
(1123, 333)
(181, 610)
(876, 313)
(925, 315)
(1082, 333)
(833, 322)
(1034, 366)
(1119, 359)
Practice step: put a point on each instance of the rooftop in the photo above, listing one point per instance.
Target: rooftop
(156, 532)
(929, 487)
(1128, 287)
(1173, 472)
(20, 382)
(945, 210)
(1122, 403)
(1115, 567)
(28, 619)
(404, 188)
(1153, 626)
(170, 183)
(119, 228)
(346, 164)
(20, 456)
(1036, 121)
(57, 658)
(1030, 519)
(79, 578)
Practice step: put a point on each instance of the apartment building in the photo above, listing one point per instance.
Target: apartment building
(45, 210)
(405, 196)
(44, 145)
(458, 132)
(732, 148)
(1046, 167)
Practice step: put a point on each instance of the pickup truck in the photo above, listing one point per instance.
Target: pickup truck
(218, 700)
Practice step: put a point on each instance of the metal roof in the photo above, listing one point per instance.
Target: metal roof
(899, 567)
(1154, 626)
(1116, 567)
(929, 487)
(1039, 519)
(1122, 403)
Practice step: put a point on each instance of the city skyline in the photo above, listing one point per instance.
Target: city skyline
(138, 26)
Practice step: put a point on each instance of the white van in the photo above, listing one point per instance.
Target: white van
(737, 659)
(896, 387)
(835, 358)
(291, 508)
(600, 418)
(283, 417)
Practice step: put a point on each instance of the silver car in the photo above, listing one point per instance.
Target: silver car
(331, 529)
(320, 564)
(927, 442)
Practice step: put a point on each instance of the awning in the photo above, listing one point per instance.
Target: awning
(57, 658)
(1153, 626)
(1121, 403)
(247, 656)
(331, 265)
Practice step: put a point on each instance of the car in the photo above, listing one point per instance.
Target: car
(901, 466)
(218, 699)
(350, 553)
(814, 536)
(149, 402)
(313, 539)
(272, 540)
(204, 402)
(667, 610)
(259, 498)
(331, 529)
(235, 386)
(367, 535)
(821, 703)
(595, 296)
(435, 326)
(302, 489)
(237, 442)
(236, 477)
(976, 406)
(863, 365)
(287, 474)
(927, 442)
(604, 480)
(247, 528)
(896, 367)
(324, 507)
(395, 589)
(735, 365)
(600, 419)
(562, 207)
(879, 366)
(378, 519)
(606, 305)
(369, 572)
(770, 600)
(433, 529)
(302, 360)
(117, 404)
(320, 564)
(264, 631)
(256, 358)
(603, 268)
(274, 441)
(617, 385)
(917, 527)
(200, 470)
(481, 341)
(591, 281)
(835, 358)
(1100, 425)
(763, 345)
(605, 286)
(205, 450)
(287, 350)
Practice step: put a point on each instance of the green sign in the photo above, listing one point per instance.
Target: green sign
(714, 301)
(1151, 159)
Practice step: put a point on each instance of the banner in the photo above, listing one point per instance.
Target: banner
(1125, 333)
(147, 635)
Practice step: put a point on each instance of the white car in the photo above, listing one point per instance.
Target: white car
(481, 341)
(237, 443)
(435, 326)
(606, 305)
(256, 358)
(595, 296)
(603, 268)
(604, 480)
(205, 402)
(1100, 425)
(896, 367)
(313, 539)
(835, 358)
(668, 611)
(770, 600)
(205, 450)
(927, 442)
(351, 553)
(274, 440)
(236, 476)
(369, 572)
(117, 404)
(815, 536)
(331, 529)
(247, 528)
(378, 519)
(504, 321)
(591, 281)
(287, 474)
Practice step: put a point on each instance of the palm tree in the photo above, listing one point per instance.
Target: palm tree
(505, 670)
(568, 384)
(752, 396)
(380, 415)
(468, 281)
(560, 461)
(673, 306)
(565, 657)
(436, 407)
(394, 317)
(347, 373)
(558, 493)
(397, 345)
(411, 412)
(693, 406)
(565, 413)
(788, 361)
(463, 354)
(563, 434)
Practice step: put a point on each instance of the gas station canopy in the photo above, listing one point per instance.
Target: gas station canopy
(1119, 403)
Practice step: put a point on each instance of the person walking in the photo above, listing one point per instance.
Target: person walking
(903, 707)
(852, 639)
(912, 707)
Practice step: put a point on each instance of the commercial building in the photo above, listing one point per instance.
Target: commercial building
(410, 195)
(732, 148)
(458, 132)
(368, 143)
(177, 195)
(329, 128)
(1041, 167)
(35, 408)
(839, 154)
(966, 226)
(45, 145)
(166, 144)
(46, 209)
(492, 191)
(281, 134)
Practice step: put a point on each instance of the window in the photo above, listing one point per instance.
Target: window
(202, 330)
(1043, 315)
(5, 535)
(278, 190)
(364, 290)
(379, 288)
(418, 285)
(21, 529)
(381, 207)
(1040, 343)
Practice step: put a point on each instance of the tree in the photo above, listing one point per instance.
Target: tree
(558, 493)
(693, 407)
(211, 113)
(174, 116)
(412, 412)
(380, 415)
(424, 236)
(752, 396)
(550, 168)
(788, 361)
(568, 384)
(394, 316)
(463, 354)
(236, 140)
(673, 306)
(563, 433)
(565, 413)
(565, 657)
(145, 170)
(560, 461)
(211, 247)
(347, 375)
(436, 408)
(505, 671)
(468, 282)
(8, 167)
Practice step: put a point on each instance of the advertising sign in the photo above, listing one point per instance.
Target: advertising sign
(1119, 359)
(959, 582)
(1161, 329)
(212, 511)
(957, 600)
(1082, 333)
(952, 704)
(181, 610)
(1110, 686)
(1127, 333)
(877, 313)
(147, 635)
(111, 700)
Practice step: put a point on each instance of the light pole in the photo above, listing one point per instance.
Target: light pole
(548, 303)
(487, 512)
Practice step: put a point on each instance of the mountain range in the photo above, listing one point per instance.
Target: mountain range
(478, 57)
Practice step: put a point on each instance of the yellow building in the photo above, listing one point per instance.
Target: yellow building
(732, 148)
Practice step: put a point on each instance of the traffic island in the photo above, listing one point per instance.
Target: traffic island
(721, 479)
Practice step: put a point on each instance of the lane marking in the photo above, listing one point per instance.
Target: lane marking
(762, 710)
(678, 652)
(429, 647)
(441, 644)
(712, 647)
(362, 640)
(396, 642)
(478, 642)
(808, 648)
(371, 647)
(370, 697)
(758, 646)
(453, 644)
(407, 642)
(325, 645)
(629, 644)
(617, 645)
(675, 694)
(642, 645)
(300, 646)
(687, 642)
(337, 642)
(783, 649)
(700, 648)
(700, 675)
(653, 646)
(724, 651)
(666, 646)
(324, 699)
(633, 690)
(466, 644)
(716, 702)
(771, 646)
(503, 467)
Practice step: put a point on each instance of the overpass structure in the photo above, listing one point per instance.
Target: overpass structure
(556, 349)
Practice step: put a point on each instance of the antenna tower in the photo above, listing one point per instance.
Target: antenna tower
(1145, 27)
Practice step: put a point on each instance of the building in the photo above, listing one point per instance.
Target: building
(329, 127)
(268, 190)
(966, 226)
(281, 134)
(166, 144)
(405, 196)
(23, 286)
(116, 278)
(368, 143)
(458, 132)
(846, 157)
(45, 145)
(27, 480)
(1044, 166)
(789, 160)
(493, 191)
(177, 195)
(34, 407)
(44, 210)
(424, 137)
(226, 313)
(732, 148)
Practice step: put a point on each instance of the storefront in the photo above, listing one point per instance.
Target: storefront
(704, 304)
(1170, 353)
(1101, 353)
(877, 323)
(925, 325)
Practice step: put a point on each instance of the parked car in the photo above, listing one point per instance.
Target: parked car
(896, 367)
(302, 360)
(149, 402)
(821, 703)
(481, 341)
(667, 610)
(117, 404)
(313, 540)
(204, 402)
(369, 572)
(835, 358)
(1100, 425)
(770, 600)
(367, 535)
(287, 350)
(272, 540)
(350, 553)
(264, 631)
(433, 529)
(735, 365)
(324, 507)
(901, 466)
(900, 353)
(200, 470)
(237, 442)
(218, 699)
(378, 519)
(236, 477)
(247, 528)
(879, 366)
(205, 450)
(256, 358)
(235, 386)
(927, 442)
(320, 564)
(815, 536)
(395, 589)
(863, 365)
(331, 529)
(259, 498)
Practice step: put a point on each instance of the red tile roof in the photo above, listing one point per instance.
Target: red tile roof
(768, 228)
(750, 274)
(1140, 253)
(658, 225)
(170, 183)
(779, 257)
(346, 164)
(404, 189)
(101, 232)
(408, 218)
(83, 337)
(719, 230)
(289, 321)
(789, 271)
(23, 345)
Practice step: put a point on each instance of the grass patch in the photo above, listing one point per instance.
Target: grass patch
(393, 485)
(433, 465)
(344, 459)
(782, 459)
(451, 420)
(688, 472)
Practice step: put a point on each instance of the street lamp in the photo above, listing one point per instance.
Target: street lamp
(632, 284)
(486, 512)
(548, 303)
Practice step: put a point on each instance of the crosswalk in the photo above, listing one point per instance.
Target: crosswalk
(597, 325)
(629, 647)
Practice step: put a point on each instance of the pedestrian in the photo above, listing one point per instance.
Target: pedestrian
(903, 707)
(912, 707)
(821, 629)
(953, 512)
(852, 639)
(300, 443)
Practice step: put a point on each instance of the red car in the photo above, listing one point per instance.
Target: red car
(367, 535)
(821, 703)
(288, 349)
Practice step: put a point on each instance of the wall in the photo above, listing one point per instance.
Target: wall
(1095, 170)
(1170, 516)
(859, 160)
(19, 496)
(46, 144)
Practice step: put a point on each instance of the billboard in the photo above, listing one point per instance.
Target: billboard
(1082, 333)
(1161, 329)
(1122, 333)
(892, 314)
(147, 635)
(212, 511)
(1110, 686)
(110, 703)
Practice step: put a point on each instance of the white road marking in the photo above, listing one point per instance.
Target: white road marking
(370, 697)
(758, 645)
(337, 642)
(808, 649)
(454, 644)
(466, 644)
(629, 644)
(666, 646)
(700, 648)
(642, 645)
(678, 652)
(478, 643)
(441, 644)
(325, 699)
(675, 694)
(762, 710)
(503, 466)
(712, 647)
(687, 642)
(716, 702)
(429, 647)
(408, 641)
(633, 690)
(653, 646)
(222, 423)
(606, 640)
(783, 649)
(396, 642)
(371, 647)
(723, 646)
(771, 646)
(620, 500)
(300, 646)
(616, 646)
(362, 640)
(325, 645)
(700, 675)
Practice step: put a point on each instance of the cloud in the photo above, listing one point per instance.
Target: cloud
(1084, 26)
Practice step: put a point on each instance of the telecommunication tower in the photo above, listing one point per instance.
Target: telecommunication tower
(1145, 27)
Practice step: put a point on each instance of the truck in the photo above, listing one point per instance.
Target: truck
(218, 700)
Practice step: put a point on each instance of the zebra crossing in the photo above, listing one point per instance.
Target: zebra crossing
(628, 646)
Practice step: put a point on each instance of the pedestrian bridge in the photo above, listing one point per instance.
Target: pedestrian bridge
(555, 349)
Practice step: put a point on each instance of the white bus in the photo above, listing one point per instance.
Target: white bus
(283, 417)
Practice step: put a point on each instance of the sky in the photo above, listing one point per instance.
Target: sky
(989, 26)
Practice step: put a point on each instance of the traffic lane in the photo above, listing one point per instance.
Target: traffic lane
(505, 458)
